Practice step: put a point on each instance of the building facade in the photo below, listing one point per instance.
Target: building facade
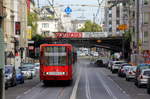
(115, 15)
(78, 24)
(15, 27)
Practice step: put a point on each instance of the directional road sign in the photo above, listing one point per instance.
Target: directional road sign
(68, 10)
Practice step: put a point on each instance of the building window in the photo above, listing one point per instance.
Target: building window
(110, 15)
(146, 2)
(110, 22)
(45, 25)
(118, 12)
(146, 18)
(146, 36)
(118, 22)
(110, 29)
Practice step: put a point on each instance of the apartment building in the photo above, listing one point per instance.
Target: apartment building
(140, 25)
(115, 16)
(78, 24)
(53, 21)
(15, 26)
(145, 28)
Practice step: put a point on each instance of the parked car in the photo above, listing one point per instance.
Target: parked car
(130, 74)
(110, 64)
(99, 63)
(121, 71)
(148, 86)
(37, 66)
(139, 69)
(19, 76)
(26, 72)
(31, 67)
(10, 75)
(105, 62)
(142, 79)
(116, 65)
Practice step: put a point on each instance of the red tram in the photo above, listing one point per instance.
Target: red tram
(56, 62)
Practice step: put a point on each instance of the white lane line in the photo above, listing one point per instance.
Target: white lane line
(28, 91)
(123, 91)
(106, 87)
(87, 86)
(113, 81)
(74, 92)
(18, 97)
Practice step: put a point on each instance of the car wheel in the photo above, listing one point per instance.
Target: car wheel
(22, 81)
(148, 91)
(127, 79)
(113, 71)
(138, 85)
(6, 86)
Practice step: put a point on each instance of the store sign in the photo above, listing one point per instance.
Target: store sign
(17, 28)
(31, 47)
(69, 35)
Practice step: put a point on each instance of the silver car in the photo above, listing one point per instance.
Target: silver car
(142, 79)
(130, 74)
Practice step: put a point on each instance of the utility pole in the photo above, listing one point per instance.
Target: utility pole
(2, 85)
(137, 24)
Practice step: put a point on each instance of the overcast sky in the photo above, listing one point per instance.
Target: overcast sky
(85, 13)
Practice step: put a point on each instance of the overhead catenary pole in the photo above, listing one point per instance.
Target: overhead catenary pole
(2, 85)
(137, 24)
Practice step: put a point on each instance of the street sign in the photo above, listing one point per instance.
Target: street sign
(68, 10)
(69, 35)
(122, 27)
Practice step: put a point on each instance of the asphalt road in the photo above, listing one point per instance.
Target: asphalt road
(90, 82)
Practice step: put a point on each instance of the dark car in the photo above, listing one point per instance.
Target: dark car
(148, 86)
(10, 75)
(19, 76)
(99, 63)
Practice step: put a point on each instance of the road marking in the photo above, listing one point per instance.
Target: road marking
(106, 87)
(74, 92)
(87, 86)
(113, 81)
(28, 91)
(18, 97)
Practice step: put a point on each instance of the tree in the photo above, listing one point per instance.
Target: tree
(37, 37)
(32, 21)
(90, 27)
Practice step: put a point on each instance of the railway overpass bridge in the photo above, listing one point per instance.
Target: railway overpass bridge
(87, 39)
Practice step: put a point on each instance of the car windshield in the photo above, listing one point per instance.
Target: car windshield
(145, 67)
(133, 68)
(25, 68)
(118, 62)
(30, 66)
(127, 65)
(147, 73)
(18, 71)
(8, 70)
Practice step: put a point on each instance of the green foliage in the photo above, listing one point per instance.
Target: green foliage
(37, 37)
(32, 21)
(127, 35)
(90, 27)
